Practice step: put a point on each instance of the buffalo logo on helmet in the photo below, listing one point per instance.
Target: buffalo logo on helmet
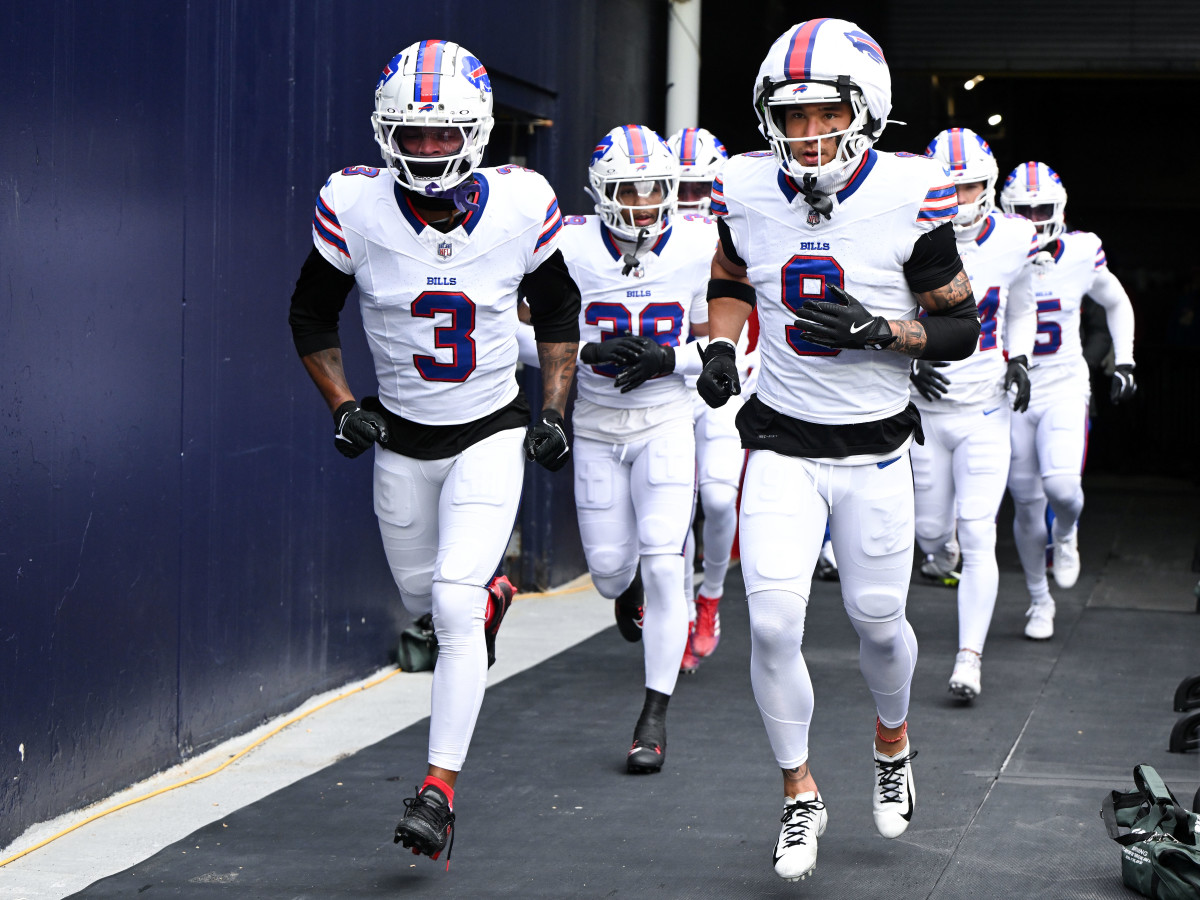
(800, 89)
(389, 70)
(601, 149)
(864, 43)
(426, 107)
(475, 73)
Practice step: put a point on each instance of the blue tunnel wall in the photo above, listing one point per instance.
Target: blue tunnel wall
(183, 553)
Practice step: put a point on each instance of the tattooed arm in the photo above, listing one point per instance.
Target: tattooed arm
(953, 301)
(558, 368)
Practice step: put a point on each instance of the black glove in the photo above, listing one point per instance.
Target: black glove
(929, 382)
(719, 381)
(1018, 374)
(1123, 385)
(619, 350)
(652, 359)
(357, 429)
(546, 442)
(845, 324)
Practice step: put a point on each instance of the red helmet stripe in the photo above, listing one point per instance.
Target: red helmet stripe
(636, 141)
(798, 62)
(428, 75)
(958, 153)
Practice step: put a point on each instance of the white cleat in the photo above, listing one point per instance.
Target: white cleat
(1066, 559)
(1040, 620)
(804, 820)
(965, 682)
(895, 795)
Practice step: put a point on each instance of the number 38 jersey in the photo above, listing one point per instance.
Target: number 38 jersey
(793, 255)
(439, 310)
(660, 299)
(1061, 278)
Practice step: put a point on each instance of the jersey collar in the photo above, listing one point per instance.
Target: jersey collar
(610, 243)
(989, 225)
(790, 189)
(468, 222)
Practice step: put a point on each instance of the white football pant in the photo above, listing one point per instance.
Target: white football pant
(959, 475)
(786, 502)
(445, 525)
(634, 503)
(1049, 444)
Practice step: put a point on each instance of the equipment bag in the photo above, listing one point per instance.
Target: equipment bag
(1159, 838)
(418, 649)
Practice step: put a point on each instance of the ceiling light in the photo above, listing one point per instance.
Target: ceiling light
(995, 119)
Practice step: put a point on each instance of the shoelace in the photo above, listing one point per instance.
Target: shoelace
(890, 779)
(796, 831)
(419, 808)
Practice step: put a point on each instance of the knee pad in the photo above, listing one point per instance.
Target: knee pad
(877, 603)
(1062, 490)
(717, 496)
(611, 585)
(977, 536)
(777, 618)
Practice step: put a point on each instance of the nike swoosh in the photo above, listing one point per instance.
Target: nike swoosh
(887, 462)
(988, 412)
(855, 329)
(907, 817)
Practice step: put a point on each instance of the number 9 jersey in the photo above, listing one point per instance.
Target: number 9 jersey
(439, 309)
(794, 255)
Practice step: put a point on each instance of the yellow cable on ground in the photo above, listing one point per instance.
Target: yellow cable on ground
(243, 752)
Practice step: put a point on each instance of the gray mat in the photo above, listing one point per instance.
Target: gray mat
(1009, 787)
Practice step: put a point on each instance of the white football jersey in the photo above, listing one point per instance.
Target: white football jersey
(792, 255)
(661, 299)
(1059, 285)
(999, 261)
(439, 310)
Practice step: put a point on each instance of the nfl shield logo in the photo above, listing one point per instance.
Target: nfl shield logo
(814, 217)
(445, 249)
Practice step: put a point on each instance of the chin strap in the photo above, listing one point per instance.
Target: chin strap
(630, 259)
(460, 195)
(818, 200)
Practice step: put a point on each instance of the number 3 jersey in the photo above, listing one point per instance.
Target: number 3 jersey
(439, 309)
(793, 255)
(998, 258)
(660, 299)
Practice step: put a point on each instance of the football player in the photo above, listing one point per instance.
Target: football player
(642, 273)
(839, 245)
(719, 451)
(1050, 440)
(437, 247)
(960, 471)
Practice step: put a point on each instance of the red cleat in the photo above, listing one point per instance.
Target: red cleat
(708, 626)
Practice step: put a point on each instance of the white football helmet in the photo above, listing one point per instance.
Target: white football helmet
(824, 61)
(1034, 190)
(633, 155)
(701, 157)
(433, 84)
(967, 158)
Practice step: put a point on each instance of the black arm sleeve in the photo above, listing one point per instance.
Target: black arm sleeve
(317, 302)
(553, 301)
(934, 261)
(952, 333)
(726, 237)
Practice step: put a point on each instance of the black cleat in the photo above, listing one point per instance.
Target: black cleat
(427, 824)
(630, 608)
(502, 591)
(649, 750)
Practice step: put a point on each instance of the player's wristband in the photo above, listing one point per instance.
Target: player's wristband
(727, 287)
